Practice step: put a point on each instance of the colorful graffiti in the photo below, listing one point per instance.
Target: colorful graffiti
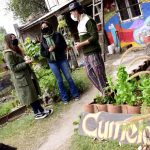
(139, 34)
(132, 31)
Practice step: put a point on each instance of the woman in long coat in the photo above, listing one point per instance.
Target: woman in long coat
(24, 79)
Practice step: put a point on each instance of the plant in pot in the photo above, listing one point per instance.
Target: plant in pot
(100, 103)
(89, 108)
(120, 91)
(110, 96)
(126, 92)
(133, 99)
(144, 86)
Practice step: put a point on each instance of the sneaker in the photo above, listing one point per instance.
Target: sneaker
(41, 116)
(65, 102)
(76, 99)
(49, 112)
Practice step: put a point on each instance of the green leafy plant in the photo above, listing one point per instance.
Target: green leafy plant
(6, 108)
(144, 86)
(46, 79)
(81, 80)
(122, 91)
(31, 48)
(100, 99)
(124, 88)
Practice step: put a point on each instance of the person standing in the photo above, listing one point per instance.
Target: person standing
(53, 47)
(24, 79)
(89, 43)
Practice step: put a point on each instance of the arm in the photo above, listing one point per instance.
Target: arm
(43, 51)
(11, 63)
(92, 30)
(60, 42)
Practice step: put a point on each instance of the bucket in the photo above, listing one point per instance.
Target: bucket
(117, 49)
(111, 49)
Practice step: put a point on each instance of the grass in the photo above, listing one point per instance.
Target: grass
(85, 143)
(81, 80)
(5, 108)
(25, 133)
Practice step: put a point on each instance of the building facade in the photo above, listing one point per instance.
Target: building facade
(127, 22)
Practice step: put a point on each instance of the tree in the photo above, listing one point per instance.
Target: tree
(2, 33)
(22, 9)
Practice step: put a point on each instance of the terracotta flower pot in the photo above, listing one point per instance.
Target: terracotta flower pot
(124, 109)
(100, 107)
(133, 109)
(89, 108)
(114, 108)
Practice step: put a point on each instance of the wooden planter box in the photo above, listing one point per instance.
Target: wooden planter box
(13, 115)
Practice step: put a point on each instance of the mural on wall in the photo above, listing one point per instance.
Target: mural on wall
(140, 34)
(133, 32)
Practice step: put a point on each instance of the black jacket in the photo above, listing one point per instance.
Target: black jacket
(59, 50)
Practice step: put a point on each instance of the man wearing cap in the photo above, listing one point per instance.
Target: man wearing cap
(89, 43)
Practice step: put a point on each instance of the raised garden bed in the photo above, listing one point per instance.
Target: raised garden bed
(13, 115)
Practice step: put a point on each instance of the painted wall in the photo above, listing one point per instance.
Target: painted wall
(134, 31)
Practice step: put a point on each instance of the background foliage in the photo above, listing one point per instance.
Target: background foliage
(24, 8)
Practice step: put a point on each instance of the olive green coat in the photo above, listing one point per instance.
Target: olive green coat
(23, 78)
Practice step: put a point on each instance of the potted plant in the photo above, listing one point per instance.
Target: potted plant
(120, 88)
(100, 103)
(133, 99)
(89, 108)
(144, 86)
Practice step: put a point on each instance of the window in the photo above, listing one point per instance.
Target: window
(128, 9)
(51, 3)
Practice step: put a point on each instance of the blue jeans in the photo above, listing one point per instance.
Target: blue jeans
(57, 68)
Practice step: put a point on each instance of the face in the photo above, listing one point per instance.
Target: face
(14, 40)
(44, 25)
(75, 14)
(13, 37)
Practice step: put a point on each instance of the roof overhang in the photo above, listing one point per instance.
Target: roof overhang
(46, 16)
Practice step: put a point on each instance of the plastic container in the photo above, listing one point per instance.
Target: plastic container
(111, 49)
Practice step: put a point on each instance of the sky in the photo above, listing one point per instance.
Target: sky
(6, 17)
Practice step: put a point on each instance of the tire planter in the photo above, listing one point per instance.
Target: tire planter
(133, 109)
(89, 108)
(13, 115)
(114, 108)
(124, 109)
(100, 107)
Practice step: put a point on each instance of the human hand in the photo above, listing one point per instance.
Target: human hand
(26, 58)
(78, 45)
(51, 48)
(28, 61)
